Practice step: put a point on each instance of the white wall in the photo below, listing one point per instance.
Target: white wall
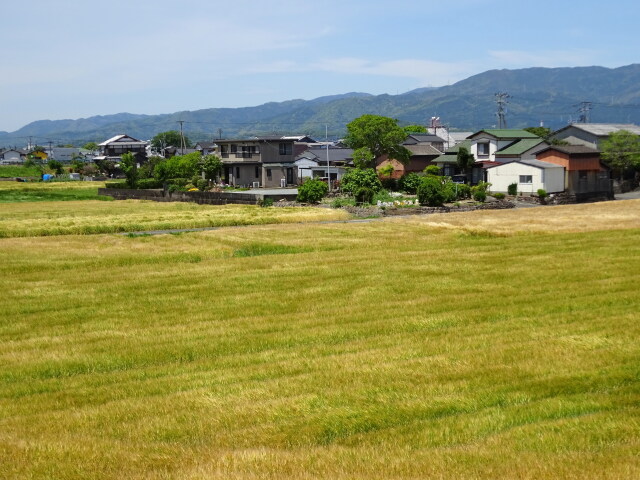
(549, 179)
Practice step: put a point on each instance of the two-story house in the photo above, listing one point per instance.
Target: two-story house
(115, 147)
(259, 161)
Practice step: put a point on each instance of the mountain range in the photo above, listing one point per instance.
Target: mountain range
(552, 96)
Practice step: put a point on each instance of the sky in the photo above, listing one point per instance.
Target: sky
(81, 58)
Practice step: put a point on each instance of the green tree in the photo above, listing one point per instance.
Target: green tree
(129, 167)
(180, 166)
(465, 159)
(409, 129)
(363, 158)
(542, 132)
(312, 191)
(56, 166)
(381, 135)
(431, 191)
(621, 151)
(357, 178)
(211, 166)
(91, 146)
(169, 138)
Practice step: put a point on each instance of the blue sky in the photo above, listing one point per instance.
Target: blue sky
(80, 58)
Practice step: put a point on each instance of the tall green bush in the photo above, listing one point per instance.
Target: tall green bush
(431, 191)
(357, 178)
(409, 183)
(312, 191)
(512, 189)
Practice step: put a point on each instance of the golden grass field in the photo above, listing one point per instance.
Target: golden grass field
(493, 344)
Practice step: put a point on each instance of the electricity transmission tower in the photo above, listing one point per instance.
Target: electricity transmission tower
(585, 108)
(502, 99)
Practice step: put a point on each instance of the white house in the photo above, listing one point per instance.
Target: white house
(486, 143)
(529, 175)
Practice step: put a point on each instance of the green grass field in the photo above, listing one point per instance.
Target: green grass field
(18, 192)
(483, 345)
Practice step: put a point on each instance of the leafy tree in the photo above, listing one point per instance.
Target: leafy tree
(169, 138)
(357, 178)
(77, 165)
(621, 151)
(38, 148)
(312, 191)
(409, 129)
(211, 166)
(381, 135)
(106, 166)
(91, 146)
(364, 158)
(542, 132)
(56, 166)
(180, 166)
(129, 167)
(465, 159)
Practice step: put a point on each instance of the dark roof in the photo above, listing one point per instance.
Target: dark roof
(422, 138)
(572, 149)
(206, 144)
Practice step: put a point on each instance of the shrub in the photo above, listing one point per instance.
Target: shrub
(357, 178)
(364, 195)
(342, 202)
(512, 189)
(464, 191)
(265, 202)
(431, 191)
(479, 195)
(542, 193)
(499, 196)
(389, 184)
(312, 191)
(409, 183)
(144, 183)
(202, 184)
(450, 192)
(116, 185)
(432, 170)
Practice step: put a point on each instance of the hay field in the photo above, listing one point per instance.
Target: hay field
(92, 217)
(484, 345)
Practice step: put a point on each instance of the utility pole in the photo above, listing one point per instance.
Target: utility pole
(585, 108)
(326, 138)
(502, 99)
(219, 134)
(181, 137)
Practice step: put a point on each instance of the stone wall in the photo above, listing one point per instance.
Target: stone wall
(207, 198)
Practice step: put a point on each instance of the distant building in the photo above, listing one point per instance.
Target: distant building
(591, 134)
(115, 147)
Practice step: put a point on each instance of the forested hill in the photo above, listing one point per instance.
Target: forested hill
(550, 95)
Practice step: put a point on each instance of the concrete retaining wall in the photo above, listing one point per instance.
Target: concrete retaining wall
(207, 198)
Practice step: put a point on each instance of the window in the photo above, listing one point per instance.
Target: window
(224, 151)
(234, 148)
(237, 172)
(269, 173)
(483, 149)
(257, 173)
(526, 179)
(286, 148)
(582, 175)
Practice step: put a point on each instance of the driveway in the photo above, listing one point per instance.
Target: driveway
(629, 195)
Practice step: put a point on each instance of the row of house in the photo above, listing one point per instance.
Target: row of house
(502, 157)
